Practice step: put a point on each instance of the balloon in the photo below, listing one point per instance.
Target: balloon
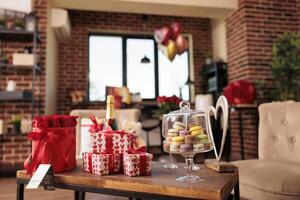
(182, 44)
(176, 30)
(169, 51)
(172, 50)
(162, 35)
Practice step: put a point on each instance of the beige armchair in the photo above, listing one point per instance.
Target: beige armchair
(276, 174)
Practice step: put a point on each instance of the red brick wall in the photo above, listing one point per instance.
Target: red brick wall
(251, 32)
(15, 149)
(73, 56)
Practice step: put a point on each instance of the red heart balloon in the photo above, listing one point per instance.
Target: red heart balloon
(162, 35)
(176, 30)
(182, 44)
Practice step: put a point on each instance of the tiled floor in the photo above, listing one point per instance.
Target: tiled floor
(8, 192)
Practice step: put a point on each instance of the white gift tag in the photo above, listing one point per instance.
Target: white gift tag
(38, 176)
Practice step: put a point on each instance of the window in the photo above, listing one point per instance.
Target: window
(106, 65)
(115, 60)
(141, 76)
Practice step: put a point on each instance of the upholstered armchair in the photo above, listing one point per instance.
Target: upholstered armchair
(276, 174)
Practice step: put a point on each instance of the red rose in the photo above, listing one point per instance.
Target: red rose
(40, 122)
(240, 92)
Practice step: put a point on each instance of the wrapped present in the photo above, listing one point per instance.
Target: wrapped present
(101, 164)
(53, 142)
(137, 162)
(109, 141)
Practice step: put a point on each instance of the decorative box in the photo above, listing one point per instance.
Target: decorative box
(108, 141)
(101, 164)
(24, 59)
(53, 142)
(137, 164)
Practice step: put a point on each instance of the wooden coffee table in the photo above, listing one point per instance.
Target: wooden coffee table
(161, 185)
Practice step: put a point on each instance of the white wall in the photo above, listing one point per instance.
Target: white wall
(218, 28)
(51, 67)
(17, 5)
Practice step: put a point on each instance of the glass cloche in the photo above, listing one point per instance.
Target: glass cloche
(188, 132)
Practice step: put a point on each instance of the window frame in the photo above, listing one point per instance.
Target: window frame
(124, 37)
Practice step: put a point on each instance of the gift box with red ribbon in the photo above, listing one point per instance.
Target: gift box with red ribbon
(137, 162)
(108, 141)
(53, 142)
(101, 164)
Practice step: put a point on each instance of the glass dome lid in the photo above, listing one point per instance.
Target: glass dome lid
(185, 109)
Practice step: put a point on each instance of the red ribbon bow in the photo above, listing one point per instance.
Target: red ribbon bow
(47, 139)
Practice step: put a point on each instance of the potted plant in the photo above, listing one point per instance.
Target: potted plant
(19, 24)
(3, 59)
(286, 67)
(208, 59)
(16, 124)
(2, 23)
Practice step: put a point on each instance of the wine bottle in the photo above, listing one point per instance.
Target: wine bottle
(110, 112)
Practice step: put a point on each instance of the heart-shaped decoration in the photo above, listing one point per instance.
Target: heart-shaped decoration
(222, 104)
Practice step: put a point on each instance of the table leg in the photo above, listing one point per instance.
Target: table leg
(20, 191)
(79, 195)
(237, 191)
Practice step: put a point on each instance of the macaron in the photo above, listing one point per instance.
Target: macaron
(190, 125)
(168, 139)
(174, 148)
(172, 132)
(202, 137)
(184, 132)
(177, 143)
(198, 147)
(178, 125)
(185, 147)
(178, 139)
(194, 128)
(207, 145)
(189, 139)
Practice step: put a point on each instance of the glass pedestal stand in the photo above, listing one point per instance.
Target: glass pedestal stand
(189, 160)
(194, 166)
(170, 164)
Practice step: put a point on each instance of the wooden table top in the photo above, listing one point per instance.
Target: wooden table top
(161, 182)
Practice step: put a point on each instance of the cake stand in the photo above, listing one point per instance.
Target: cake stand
(189, 160)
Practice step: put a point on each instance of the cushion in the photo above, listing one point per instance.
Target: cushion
(279, 131)
(269, 176)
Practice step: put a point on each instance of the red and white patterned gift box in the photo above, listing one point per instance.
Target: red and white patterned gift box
(137, 164)
(101, 164)
(108, 141)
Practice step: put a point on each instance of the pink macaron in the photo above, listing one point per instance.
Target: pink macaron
(184, 132)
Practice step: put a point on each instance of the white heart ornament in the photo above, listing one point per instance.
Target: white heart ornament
(223, 104)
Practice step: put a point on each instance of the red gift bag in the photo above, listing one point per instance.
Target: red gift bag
(53, 142)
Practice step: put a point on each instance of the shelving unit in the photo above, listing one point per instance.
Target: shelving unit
(21, 96)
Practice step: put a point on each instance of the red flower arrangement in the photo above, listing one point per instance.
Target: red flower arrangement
(54, 121)
(167, 104)
(240, 92)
